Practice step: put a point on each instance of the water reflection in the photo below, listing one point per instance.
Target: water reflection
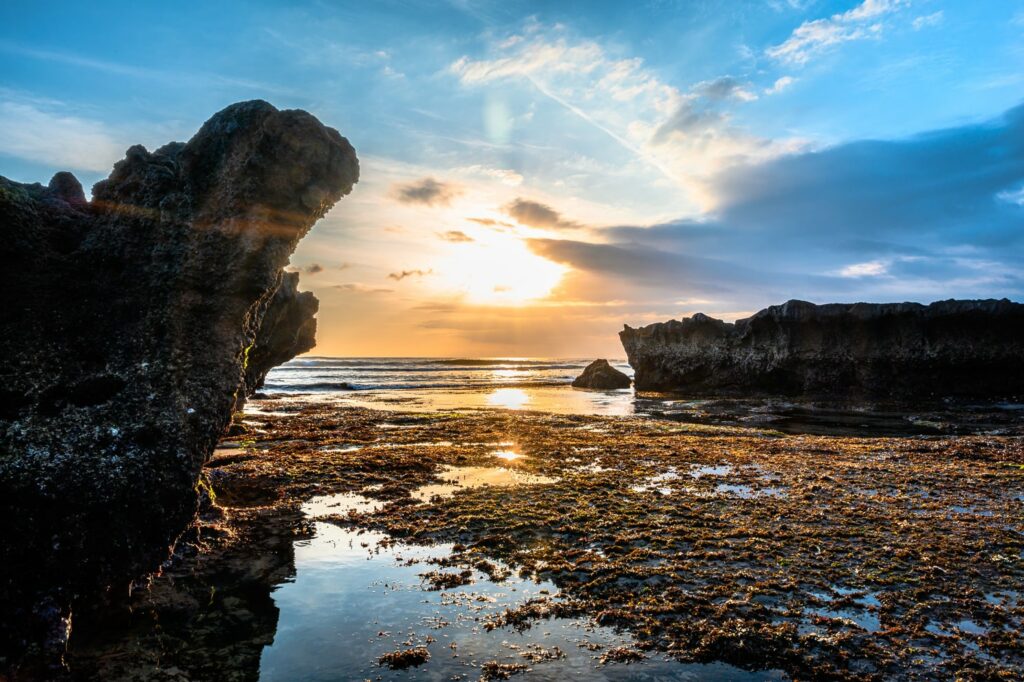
(353, 600)
(509, 398)
(455, 478)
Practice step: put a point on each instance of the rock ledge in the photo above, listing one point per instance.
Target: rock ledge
(899, 351)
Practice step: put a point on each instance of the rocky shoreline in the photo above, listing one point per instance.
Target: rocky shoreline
(821, 557)
(131, 325)
(898, 351)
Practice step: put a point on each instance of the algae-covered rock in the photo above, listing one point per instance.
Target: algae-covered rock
(123, 339)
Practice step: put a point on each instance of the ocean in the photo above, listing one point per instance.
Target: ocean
(541, 384)
(544, 385)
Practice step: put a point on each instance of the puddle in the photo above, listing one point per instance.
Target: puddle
(507, 455)
(345, 448)
(699, 470)
(340, 504)
(747, 492)
(655, 482)
(460, 478)
(352, 601)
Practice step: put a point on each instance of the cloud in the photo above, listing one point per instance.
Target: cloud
(490, 222)
(871, 268)
(44, 132)
(682, 134)
(779, 85)
(426, 191)
(928, 20)
(723, 88)
(313, 268)
(359, 288)
(504, 175)
(399, 276)
(536, 214)
(814, 37)
(456, 236)
(930, 216)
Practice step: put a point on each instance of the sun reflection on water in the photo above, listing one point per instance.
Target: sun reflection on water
(510, 398)
(507, 455)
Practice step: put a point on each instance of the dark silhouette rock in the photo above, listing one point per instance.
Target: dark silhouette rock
(898, 351)
(288, 329)
(600, 375)
(122, 342)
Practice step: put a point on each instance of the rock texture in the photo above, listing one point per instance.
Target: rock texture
(600, 375)
(125, 328)
(288, 329)
(899, 351)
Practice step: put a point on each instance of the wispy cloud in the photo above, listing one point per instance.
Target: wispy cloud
(178, 78)
(506, 176)
(455, 236)
(426, 191)
(685, 134)
(871, 268)
(47, 133)
(399, 276)
(929, 20)
(814, 37)
(360, 288)
(779, 85)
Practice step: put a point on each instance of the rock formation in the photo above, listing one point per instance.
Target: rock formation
(600, 375)
(288, 329)
(897, 351)
(125, 328)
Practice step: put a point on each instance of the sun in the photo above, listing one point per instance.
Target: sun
(498, 269)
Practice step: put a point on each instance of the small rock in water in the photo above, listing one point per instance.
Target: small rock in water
(600, 375)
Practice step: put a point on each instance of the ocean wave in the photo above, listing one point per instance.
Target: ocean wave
(321, 386)
(401, 369)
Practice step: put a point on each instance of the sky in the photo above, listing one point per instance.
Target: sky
(536, 175)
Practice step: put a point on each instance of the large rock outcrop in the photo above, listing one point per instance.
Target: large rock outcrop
(897, 351)
(600, 375)
(288, 329)
(123, 336)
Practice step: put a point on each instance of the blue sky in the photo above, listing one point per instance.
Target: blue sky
(536, 174)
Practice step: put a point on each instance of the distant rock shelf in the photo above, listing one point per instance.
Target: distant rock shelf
(889, 351)
(131, 324)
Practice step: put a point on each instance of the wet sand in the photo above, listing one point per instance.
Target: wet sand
(553, 546)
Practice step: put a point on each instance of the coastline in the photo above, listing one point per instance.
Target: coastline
(817, 556)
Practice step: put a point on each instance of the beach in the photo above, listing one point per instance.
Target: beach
(426, 542)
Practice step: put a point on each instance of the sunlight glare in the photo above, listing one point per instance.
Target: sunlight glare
(510, 398)
(498, 269)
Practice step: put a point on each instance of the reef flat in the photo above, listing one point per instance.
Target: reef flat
(801, 556)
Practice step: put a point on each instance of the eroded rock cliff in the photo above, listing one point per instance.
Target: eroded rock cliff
(288, 329)
(898, 351)
(125, 328)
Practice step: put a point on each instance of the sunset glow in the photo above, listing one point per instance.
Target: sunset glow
(497, 269)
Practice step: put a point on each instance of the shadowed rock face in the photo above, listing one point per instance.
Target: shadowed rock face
(288, 329)
(123, 337)
(899, 351)
(600, 375)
